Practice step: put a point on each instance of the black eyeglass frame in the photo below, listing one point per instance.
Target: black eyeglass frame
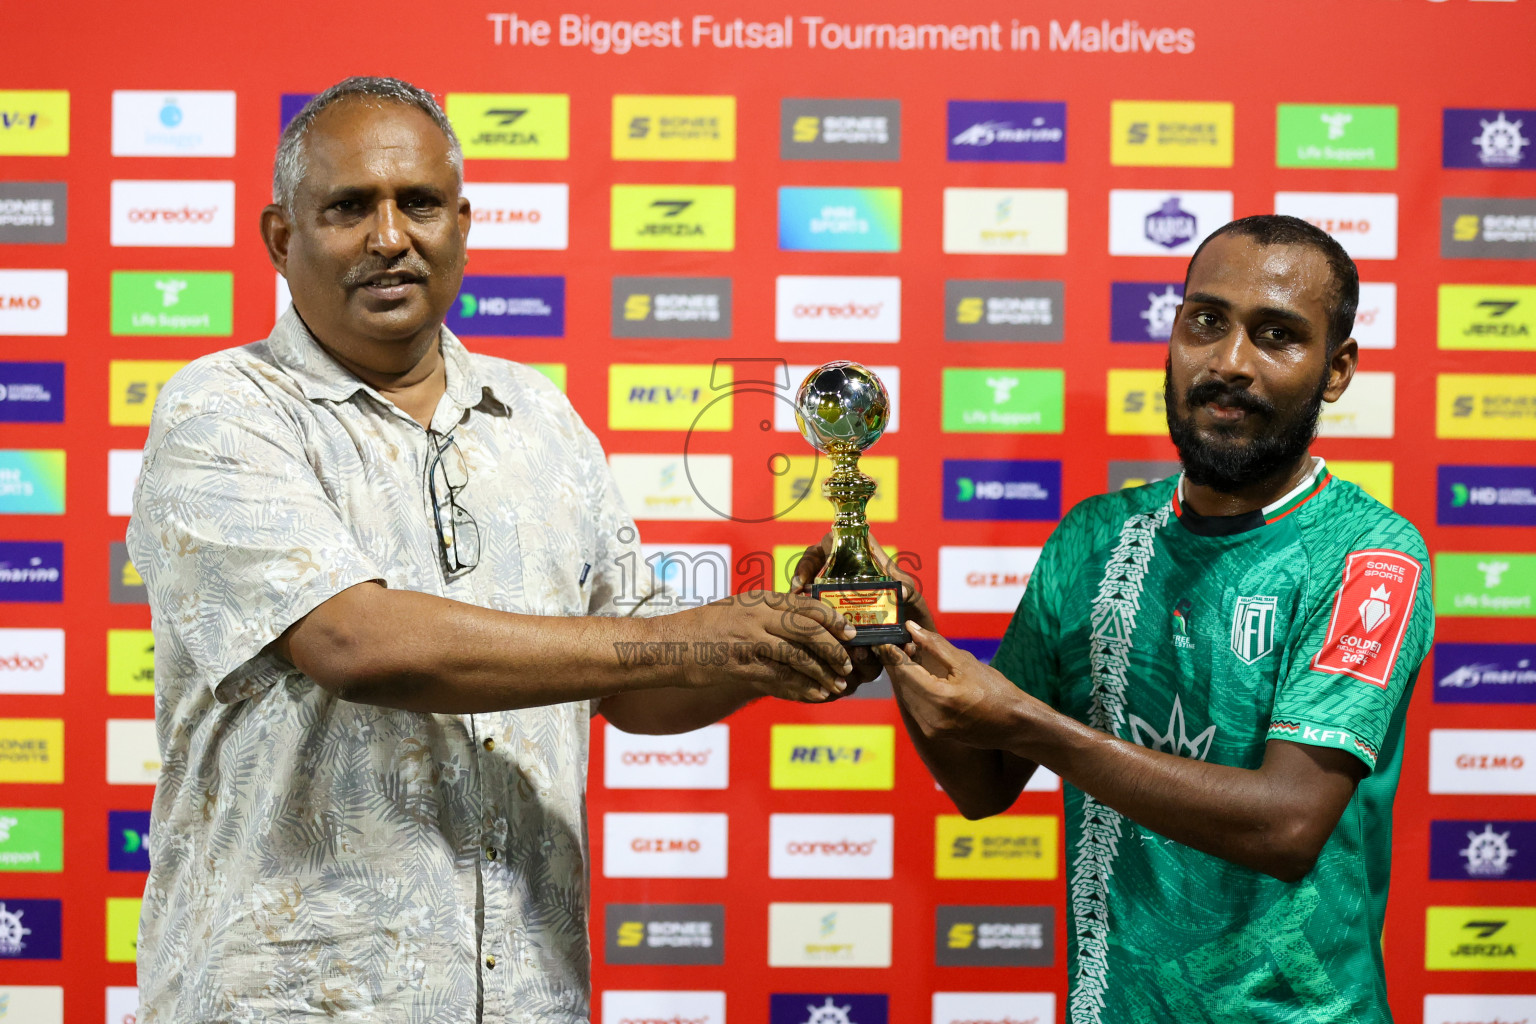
(456, 562)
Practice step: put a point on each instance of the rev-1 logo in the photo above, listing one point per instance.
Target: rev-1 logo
(827, 755)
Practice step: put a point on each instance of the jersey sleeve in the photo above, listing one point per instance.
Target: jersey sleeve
(1029, 653)
(1368, 627)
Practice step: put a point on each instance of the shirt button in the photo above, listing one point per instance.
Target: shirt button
(490, 853)
(490, 962)
(489, 744)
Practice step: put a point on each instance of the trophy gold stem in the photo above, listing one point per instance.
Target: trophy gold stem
(849, 491)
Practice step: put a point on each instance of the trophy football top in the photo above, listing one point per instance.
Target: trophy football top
(842, 408)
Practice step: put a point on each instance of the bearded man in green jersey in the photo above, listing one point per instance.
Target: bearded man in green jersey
(1218, 665)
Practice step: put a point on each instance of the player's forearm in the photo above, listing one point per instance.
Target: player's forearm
(1236, 814)
(980, 782)
(675, 709)
(419, 652)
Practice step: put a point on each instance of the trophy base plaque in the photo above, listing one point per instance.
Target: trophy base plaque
(873, 607)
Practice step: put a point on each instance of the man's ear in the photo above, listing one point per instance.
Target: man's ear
(275, 232)
(1341, 369)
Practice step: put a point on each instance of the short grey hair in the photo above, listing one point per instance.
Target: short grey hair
(292, 160)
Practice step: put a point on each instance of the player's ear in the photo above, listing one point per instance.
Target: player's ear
(1341, 369)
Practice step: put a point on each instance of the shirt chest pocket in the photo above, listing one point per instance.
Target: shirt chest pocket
(555, 543)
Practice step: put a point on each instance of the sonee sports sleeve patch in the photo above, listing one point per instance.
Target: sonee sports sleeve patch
(1370, 615)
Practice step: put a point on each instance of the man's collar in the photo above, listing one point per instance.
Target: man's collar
(321, 378)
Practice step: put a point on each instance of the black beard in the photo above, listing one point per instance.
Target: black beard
(1229, 463)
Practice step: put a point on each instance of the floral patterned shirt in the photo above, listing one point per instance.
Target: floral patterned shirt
(314, 859)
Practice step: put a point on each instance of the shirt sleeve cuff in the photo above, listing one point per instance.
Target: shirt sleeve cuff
(1296, 730)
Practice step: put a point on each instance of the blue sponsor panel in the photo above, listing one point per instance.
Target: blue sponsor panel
(980, 648)
(30, 929)
(31, 570)
(1494, 139)
(127, 840)
(1002, 489)
(824, 1008)
(1486, 496)
(839, 219)
(1485, 673)
(1143, 310)
(31, 392)
(1015, 132)
(290, 105)
(509, 307)
(1481, 850)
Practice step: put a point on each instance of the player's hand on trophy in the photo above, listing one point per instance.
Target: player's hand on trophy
(785, 645)
(951, 695)
(815, 556)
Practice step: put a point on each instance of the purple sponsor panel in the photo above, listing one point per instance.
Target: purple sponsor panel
(1486, 496)
(30, 929)
(1143, 310)
(31, 392)
(1485, 673)
(1008, 131)
(1492, 138)
(509, 307)
(1482, 850)
(980, 648)
(824, 1008)
(127, 840)
(996, 489)
(291, 104)
(32, 570)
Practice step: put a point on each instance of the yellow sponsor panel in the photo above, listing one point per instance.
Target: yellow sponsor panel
(131, 662)
(511, 126)
(135, 384)
(1008, 846)
(669, 396)
(1480, 938)
(674, 128)
(1136, 403)
(122, 929)
(631, 933)
(1374, 478)
(1488, 317)
(694, 218)
(31, 750)
(1145, 134)
(34, 122)
(1496, 406)
(785, 558)
(797, 495)
(833, 757)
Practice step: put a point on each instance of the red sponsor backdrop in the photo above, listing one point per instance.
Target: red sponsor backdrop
(1419, 55)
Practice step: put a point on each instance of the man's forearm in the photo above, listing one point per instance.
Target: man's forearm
(980, 782)
(663, 712)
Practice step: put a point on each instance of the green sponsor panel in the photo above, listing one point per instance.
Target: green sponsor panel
(554, 371)
(173, 303)
(31, 840)
(1498, 584)
(1003, 401)
(1322, 135)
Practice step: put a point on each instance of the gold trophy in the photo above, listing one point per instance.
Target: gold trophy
(842, 409)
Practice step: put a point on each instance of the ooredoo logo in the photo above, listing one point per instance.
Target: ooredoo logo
(830, 845)
(194, 214)
(838, 309)
(664, 845)
(656, 1007)
(32, 661)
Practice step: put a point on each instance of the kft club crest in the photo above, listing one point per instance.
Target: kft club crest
(1253, 627)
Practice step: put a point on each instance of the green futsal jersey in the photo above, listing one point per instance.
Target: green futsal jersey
(1206, 637)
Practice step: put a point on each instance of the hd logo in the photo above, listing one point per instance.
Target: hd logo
(998, 936)
(1003, 310)
(127, 840)
(833, 757)
(511, 126)
(674, 128)
(1011, 846)
(690, 218)
(665, 933)
(1487, 317)
(840, 130)
(509, 307)
(671, 307)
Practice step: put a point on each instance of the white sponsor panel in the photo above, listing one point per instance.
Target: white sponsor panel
(977, 579)
(284, 297)
(830, 845)
(1376, 317)
(693, 574)
(123, 468)
(1477, 1009)
(195, 214)
(664, 845)
(784, 412)
(1043, 781)
(518, 216)
(1482, 760)
(1364, 223)
(1366, 409)
(673, 487)
(700, 759)
(168, 123)
(32, 1004)
(34, 302)
(1016, 221)
(1149, 222)
(133, 754)
(32, 661)
(837, 309)
(994, 1008)
(655, 1007)
(122, 1004)
(829, 935)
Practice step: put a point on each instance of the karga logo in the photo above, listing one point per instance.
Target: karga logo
(1170, 225)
